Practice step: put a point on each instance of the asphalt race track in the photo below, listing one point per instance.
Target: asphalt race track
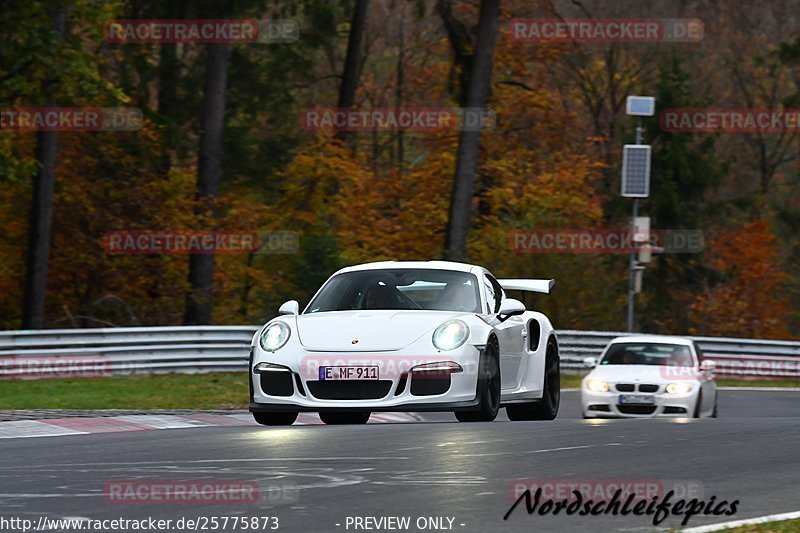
(314, 477)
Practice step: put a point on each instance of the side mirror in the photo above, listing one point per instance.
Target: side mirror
(708, 366)
(510, 306)
(289, 308)
(589, 362)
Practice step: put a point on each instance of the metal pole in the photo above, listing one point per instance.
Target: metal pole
(632, 258)
(632, 271)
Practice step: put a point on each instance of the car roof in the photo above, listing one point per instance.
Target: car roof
(663, 339)
(432, 265)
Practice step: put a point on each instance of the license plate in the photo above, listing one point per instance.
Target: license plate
(636, 399)
(347, 372)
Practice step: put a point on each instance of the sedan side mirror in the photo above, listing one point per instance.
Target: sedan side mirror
(289, 308)
(708, 366)
(590, 362)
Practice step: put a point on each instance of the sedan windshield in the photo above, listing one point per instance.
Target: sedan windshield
(419, 289)
(646, 353)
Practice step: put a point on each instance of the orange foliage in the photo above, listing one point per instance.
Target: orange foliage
(748, 302)
(113, 181)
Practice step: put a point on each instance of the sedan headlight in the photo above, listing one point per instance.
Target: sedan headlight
(450, 335)
(274, 336)
(595, 385)
(679, 388)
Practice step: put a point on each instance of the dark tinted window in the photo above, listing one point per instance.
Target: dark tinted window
(648, 354)
(441, 290)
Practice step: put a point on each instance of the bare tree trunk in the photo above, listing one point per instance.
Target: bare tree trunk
(401, 52)
(209, 173)
(469, 141)
(168, 79)
(41, 218)
(352, 62)
(460, 39)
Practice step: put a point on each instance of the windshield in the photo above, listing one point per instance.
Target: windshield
(641, 353)
(425, 289)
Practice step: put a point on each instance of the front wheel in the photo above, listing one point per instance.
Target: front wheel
(275, 419)
(488, 387)
(339, 418)
(697, 405)
(547, 407)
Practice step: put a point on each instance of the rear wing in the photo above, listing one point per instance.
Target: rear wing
(532, 285)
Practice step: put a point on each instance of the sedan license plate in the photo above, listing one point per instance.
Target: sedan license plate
(628, 399)
(347, 372)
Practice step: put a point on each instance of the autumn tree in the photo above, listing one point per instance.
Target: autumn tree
(744, 296)
(686, 170)
(477, 93)
(209, 174)
(48, 60)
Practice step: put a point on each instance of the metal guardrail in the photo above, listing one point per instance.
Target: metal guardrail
(735, 358)
(119, 351)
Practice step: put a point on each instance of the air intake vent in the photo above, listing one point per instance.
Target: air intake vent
(534, 334)
(349, 389)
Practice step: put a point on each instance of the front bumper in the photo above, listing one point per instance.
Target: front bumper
(606, 405)
(292, 385)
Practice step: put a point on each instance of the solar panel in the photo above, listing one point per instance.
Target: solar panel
(642, 106)
(636, 171)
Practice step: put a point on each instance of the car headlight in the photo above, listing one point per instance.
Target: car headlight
(595, 385)
(450, 335)
(679, 388)
(274, 336)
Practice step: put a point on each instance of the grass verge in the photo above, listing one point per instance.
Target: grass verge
(217, 390)
(785, 526)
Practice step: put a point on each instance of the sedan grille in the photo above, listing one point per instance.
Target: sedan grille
(637, 409)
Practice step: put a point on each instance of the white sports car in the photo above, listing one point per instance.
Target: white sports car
(407, 336)
(649, 375)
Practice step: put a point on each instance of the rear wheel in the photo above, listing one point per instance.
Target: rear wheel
(275, 419)
(337, 418)
(547, 407)
(488, 387)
